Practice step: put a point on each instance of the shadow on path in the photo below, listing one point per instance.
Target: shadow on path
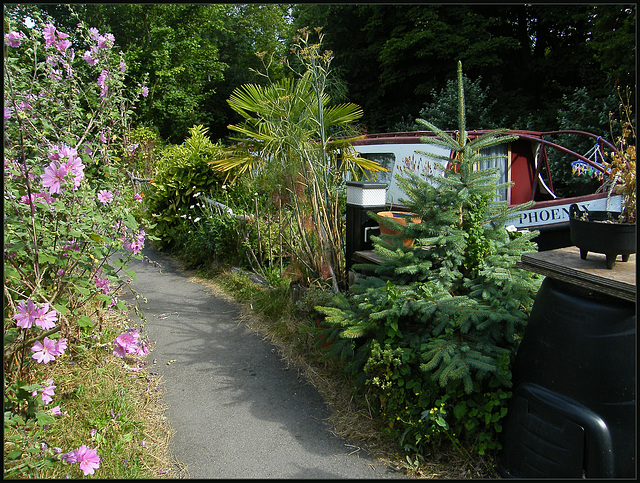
(237, 410)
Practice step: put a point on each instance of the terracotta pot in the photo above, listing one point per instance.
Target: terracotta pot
(601, 234)
(401, 217)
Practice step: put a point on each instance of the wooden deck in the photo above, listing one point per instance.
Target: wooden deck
(566, 265)
(367, 256)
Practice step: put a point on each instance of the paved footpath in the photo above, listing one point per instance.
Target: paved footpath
(236, 409)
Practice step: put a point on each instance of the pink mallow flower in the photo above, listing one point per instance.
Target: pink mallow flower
(44, 197)
(49, 34)
(102, 82)
(138, 197)
(105, 196)
(73, 163)
(60, 347)
(53, 177)
(136, 244)
(45, 318)
(28, 200)
(48, 392)
(44, 351)
(86, 457)
(14, 38)
(129, 343)
(106, 41)
(27, 314)
(125, 343)
(89, 58)
(103, 284)
(63, 45)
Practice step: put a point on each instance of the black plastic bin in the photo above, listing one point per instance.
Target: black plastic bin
(573, 414)
(362, 197)
(359, 228)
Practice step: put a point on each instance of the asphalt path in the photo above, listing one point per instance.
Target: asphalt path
(237, 410)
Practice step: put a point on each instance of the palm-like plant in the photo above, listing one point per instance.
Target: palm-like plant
(290, 128)
(282, 126)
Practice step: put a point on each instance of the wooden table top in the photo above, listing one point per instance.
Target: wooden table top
(566, 265)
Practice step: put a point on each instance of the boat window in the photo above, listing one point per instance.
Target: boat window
(497, 157)
(388, 160)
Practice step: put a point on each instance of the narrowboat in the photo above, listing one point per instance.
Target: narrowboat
(523, 161)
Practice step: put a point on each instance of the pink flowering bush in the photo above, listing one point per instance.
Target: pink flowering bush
(68, 230)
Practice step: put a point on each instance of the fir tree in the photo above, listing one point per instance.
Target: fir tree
(455, 298)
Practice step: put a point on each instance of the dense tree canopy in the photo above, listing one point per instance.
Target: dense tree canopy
(393, 60)
(194, 55)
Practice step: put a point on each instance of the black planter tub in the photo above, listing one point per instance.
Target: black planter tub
(602, 234)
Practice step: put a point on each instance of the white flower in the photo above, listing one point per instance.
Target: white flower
(196, 220)
(183, 216)
(511, 228)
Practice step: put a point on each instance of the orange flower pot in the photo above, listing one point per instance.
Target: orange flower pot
(401, 217)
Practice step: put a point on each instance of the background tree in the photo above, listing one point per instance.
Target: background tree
(395, 58)
(195, 55)
(247, 29)
(480, 108)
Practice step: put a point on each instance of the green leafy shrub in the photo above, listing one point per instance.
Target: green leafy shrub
(433, 332)
(182, 173)
(210, 237)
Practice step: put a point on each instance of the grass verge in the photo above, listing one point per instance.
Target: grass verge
(110, 404)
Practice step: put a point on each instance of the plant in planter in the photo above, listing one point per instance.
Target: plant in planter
(609, 232)
(399, 217)
(431, 334)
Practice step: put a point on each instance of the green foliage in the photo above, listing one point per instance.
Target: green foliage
(195, 55)
(291, 129)
(211, 237)
(394, 58)
(434, 331)
(174, 44)
(141, 152)
(582, 111)
(442, 111)
(182, 174)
